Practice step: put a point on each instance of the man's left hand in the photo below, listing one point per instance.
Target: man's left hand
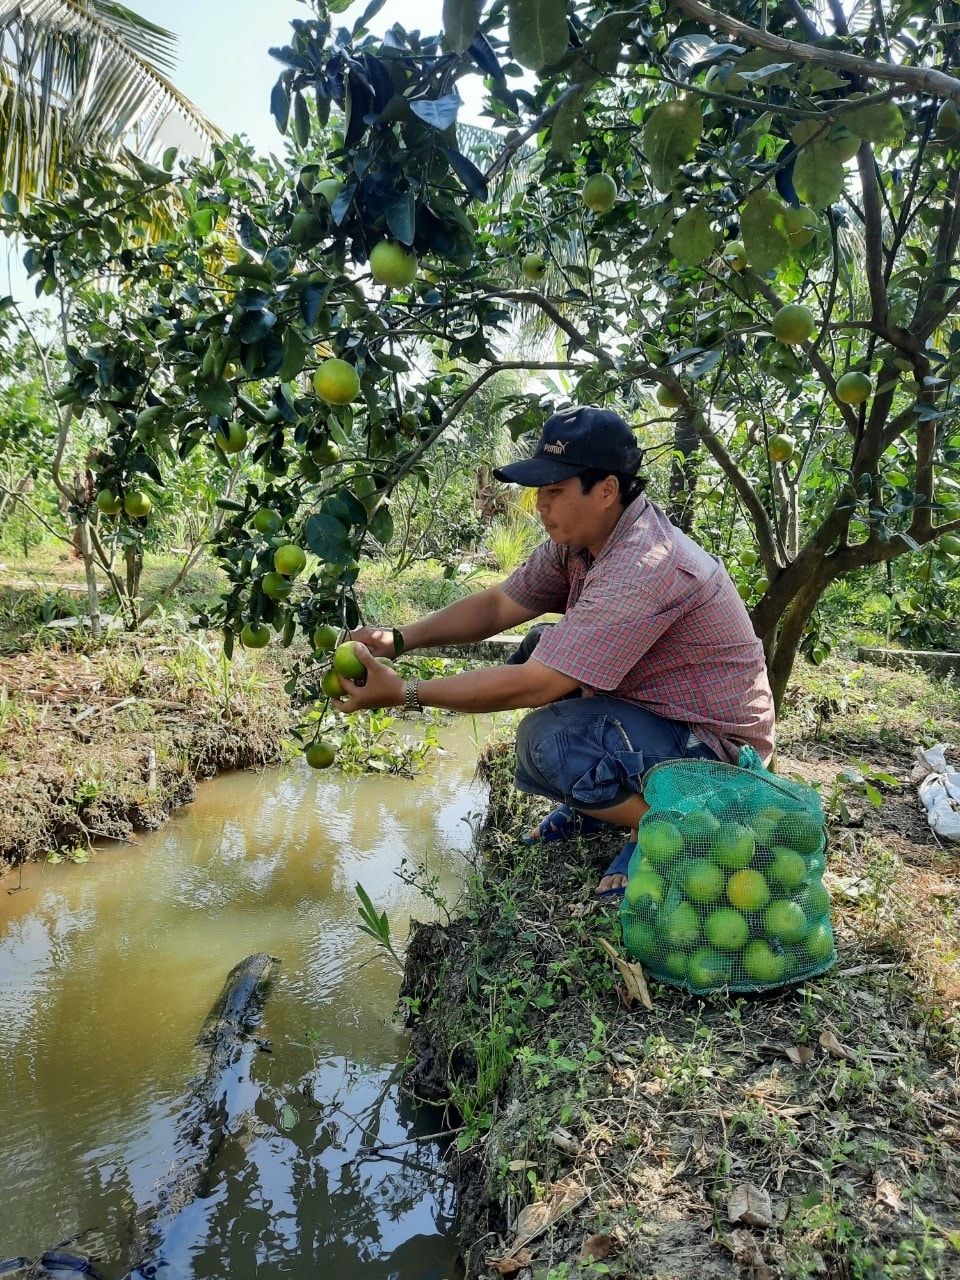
(381, 688)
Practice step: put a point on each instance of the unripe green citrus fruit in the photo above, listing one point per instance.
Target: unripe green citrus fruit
(843, 142)
(599, 192)
(800, 831)
(780, 447)
(289, 559)
(659, 840)
(761, 963)
(819, 943)
(950, 543)
(325, 453)
(534, 266)
(800, 224)
(733, 845)
(336, 381)
(793, 323)
(748, 558)
(948, 118)
(392, 264)
(726, 929)
(255, 635)
(275, 586)
(784, 921)
(787, 867)
(267, 521)
(702, 880)
(232, 437)
(325, 637)
(681, 928)
(109, 503)
(854, 387)
(320, 755)
(667, 397)
(735, 255)
(707, 969)
(330, 684)
(644, 886)
(137, 503)
(328, 188)
(346, 663)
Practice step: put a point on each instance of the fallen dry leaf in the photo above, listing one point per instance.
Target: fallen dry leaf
(800, 1055)
(833, 1046)
(746, 1251)
(889, 1193)
(596, 1248)
(510, 1264)
(632, 975)
(749, 1204)
(517, 1166)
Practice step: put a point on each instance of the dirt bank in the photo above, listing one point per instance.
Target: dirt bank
(101, 744)
(810, 1133)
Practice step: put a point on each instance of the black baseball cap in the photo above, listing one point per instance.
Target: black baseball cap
(576, 440)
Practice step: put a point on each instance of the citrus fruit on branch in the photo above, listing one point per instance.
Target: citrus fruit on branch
(599, 192)
(393, 265)
(793, 324)
(336, 381)
(854, 387)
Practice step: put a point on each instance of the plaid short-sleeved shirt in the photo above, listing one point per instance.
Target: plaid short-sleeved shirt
(656, 620)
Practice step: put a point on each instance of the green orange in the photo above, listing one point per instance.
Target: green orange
(787, 867)
(330, 684)
(785, 921)
(320, 755)
(346, 663)
(681, 928)
(726, 929)
(748, 890)
(819, 943)
(761, 963)
(707, 969)
(255, 635)
(275, 586)
(659, 840)
(733, 845)
(644, 886)
(289, 559)
(800, 831)
(702, 881)
(325, 637)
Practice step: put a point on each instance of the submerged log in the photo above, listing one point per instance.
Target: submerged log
(215, 1104)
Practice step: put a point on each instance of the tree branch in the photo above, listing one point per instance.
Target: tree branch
(926, 79)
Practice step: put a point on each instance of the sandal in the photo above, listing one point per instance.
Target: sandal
(618, 867)
(563, 824)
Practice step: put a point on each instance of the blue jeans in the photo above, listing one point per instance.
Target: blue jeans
(592, 752)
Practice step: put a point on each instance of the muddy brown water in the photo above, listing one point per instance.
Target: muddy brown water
(108, 970)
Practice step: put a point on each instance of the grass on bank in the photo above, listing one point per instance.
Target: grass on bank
(839, 1100)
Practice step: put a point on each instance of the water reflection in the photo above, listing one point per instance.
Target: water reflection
(108, 970)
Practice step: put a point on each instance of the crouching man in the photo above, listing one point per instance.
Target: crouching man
(654, 657)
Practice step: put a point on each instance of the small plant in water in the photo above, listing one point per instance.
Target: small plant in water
(375, 925)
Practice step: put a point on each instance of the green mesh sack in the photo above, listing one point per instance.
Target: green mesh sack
(725, 888)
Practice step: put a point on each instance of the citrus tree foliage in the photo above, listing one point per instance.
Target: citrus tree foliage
(784, 214)
(28, 430)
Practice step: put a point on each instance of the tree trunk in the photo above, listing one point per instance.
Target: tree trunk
(683, 471)
(134, 563)
(85, 547)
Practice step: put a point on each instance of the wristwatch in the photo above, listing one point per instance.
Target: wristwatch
(411, 695)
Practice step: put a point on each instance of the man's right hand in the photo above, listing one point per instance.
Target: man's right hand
(379, 640)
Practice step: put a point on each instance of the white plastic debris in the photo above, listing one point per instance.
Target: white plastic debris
(939, 790)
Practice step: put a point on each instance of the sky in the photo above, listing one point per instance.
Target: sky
(224, 66)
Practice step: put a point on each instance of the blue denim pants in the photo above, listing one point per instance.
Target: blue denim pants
(592, 752)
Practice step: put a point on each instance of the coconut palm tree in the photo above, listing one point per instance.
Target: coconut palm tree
(84, 77)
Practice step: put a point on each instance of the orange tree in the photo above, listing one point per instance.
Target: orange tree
(784, 215)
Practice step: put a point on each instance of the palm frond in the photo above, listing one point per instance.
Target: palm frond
(79, 77)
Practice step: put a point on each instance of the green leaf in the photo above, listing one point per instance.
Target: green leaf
(328, 539)
(569, 126)
(818, 175)
(381, 526)
(401, 218)
(881, 122)
(670, 137)
(9, 203)
(460, 21)
(693, 237)
(294, 355)
(761, 227)
(216, 397)
(301, 120)
(201, 222)
(538, 32)
(250, 271)
(606, 40)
